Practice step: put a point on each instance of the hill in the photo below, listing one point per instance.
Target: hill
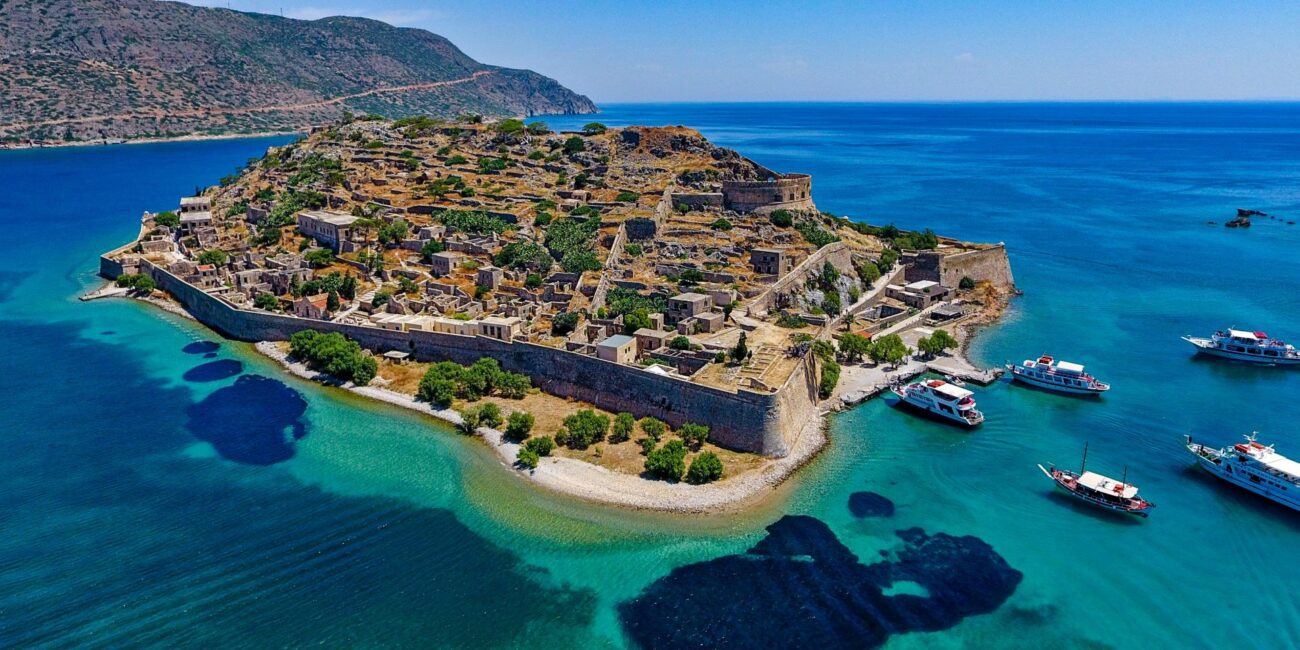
(93, 70)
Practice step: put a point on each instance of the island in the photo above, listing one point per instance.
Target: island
(629, 315)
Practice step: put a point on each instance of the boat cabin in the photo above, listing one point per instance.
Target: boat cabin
(1106, 485)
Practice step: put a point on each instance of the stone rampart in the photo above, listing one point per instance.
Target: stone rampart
(760, 422)
(788, 191)
(985, 264)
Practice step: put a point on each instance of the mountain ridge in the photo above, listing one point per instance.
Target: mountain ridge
(97, 70)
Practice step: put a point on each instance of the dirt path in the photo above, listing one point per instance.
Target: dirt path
(201, 112)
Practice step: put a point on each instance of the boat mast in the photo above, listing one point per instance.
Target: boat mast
(1084, 464)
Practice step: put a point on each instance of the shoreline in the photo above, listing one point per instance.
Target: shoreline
(178, 138)
(577, 478)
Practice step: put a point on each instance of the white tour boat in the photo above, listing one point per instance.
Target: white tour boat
(1061, 376)
(1253, 466)
(1242, 345)
(942, 399)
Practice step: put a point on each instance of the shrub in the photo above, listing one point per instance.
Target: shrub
(869, 272)
(721, 224)
(542, 445)
(564, 322)
(267, 301)
(513, 385)
(533, 281)
(622, 429)
(468, 421)
(538, 128)
(519, 425)
(782, 218)
(693, 434)
(830, 376)
(489, 415)
(705, 468)
(647, 445)
(966, 283)
(594, 128)
(585, 428)
(667, 462)
(573, 145)
(527, 458)
(635, 320)
(888, 258)
(436, 390)
(791, 321)
(627, 197)
(652, 427)
(680, 342)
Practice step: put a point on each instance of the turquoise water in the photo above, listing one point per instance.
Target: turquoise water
(162, 486)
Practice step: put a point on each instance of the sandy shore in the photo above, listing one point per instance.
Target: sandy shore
(593, 483)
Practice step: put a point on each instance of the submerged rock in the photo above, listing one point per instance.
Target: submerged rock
(870, 504)
(800, 587)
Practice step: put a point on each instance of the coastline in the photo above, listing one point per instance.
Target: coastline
(577, 478)
(178, 138)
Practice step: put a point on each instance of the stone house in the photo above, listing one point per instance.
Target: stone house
(312, 306)
(489, 276)
(619, 348)
(651, 339)
(919, 294)
(327, 227)
(686, 305)
(502, 329)
(769, 261)
(445, 262)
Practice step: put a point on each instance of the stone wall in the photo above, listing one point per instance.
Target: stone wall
(760, 422)
(789, 191)
(837, 253)
(696, 200)
(989, 264)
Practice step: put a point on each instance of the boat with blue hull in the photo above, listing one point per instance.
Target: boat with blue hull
(1253, 466)
(1247, 346)
(1059, 376)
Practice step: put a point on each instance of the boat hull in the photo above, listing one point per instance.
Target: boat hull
(1058, 388)
(924, 409)
(1099, 503)
(1207, 347)
(1242, 480)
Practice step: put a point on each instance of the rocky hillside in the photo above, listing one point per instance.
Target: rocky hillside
(89, 70)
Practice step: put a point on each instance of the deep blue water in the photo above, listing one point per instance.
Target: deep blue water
(161, 486)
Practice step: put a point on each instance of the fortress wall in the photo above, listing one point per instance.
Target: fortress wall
(696, 200)
(989, 264)
(789, 191)
(763, 423)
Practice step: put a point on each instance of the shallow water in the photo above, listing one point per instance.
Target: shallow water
(163, 486)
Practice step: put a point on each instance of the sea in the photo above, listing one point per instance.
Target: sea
(161, 486)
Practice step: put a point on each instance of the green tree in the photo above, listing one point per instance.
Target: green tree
(854, 346)
(667, 462)
(573, 145)
(489, 415)
(594, 128)
(653, 428)
(680, 342)
(564, 322)
(533, 281)
(890, 349)
(694, 434)
(636, 319)
(888, 258)
(213, 256)
(144, 284)
(622, 429)
(585, 428)
(869, 273)
(519, 425)
(705, 468)
(781, 218)
(943, 341)
(513, 385)
(168, 218)
(332, 301)
(741, 350)
(267, 301)
(830, 377)
(538, 128)
(436, 390)
(319, 258)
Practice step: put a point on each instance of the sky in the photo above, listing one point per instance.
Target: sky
(869, 50)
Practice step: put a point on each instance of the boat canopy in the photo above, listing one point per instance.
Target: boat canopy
(1279, 463)
(1243, 334)
(1066, 366)
(950, 391)
(1108, 485)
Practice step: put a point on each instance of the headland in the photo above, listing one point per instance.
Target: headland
(656, 301)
